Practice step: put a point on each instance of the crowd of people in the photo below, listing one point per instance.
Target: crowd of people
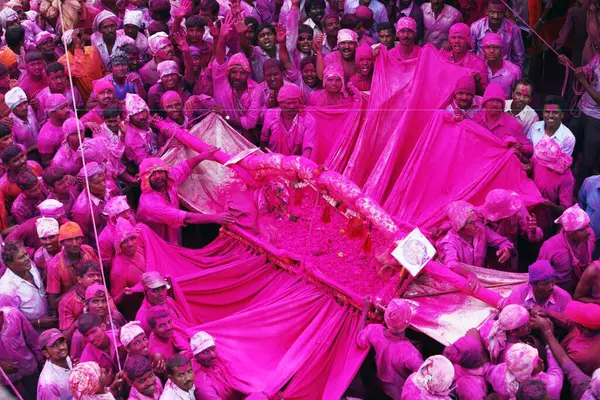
(92, 92)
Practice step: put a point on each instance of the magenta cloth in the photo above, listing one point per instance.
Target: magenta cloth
(555, 186)
(212, 383)
(396, 358)
(300, 137)
(82, 215)
(587, 315)
(568, 262)
(523, 295)
(50, 138)
(139, 144)
(101, 85)
(363, 51)
(470, 60)
(465, 84)
(493, 92)
(18, 344)
(470, 383)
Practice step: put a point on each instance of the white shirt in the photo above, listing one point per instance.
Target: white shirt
(526, 117)
(54, 382)
(172, 392)
(563, 136)
(32, 297)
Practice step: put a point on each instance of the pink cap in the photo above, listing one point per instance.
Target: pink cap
(493, 92)
(49, 337)
(363, 51)
(459, 212)
(94, 291)
(500, 204)
(406, 23)
(573, 219)
(548, 153)
(289, 92)
(465, 84)
(101, 85)
(170, 97)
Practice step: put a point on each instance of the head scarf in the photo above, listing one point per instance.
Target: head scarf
(347, 35)
(238, 60)
(289, 92)
(94, 291)
(69, 230)
(167, 68)
(520, 362)
(14, 97)
(8, 15)
(85, 379)
(462, 30)
(46, 227)
(92, 168)
(548, 153)
(101, 17)
(51, 208)
(123, 231)
(54, 102)
(363, 51)
(71, 126)
(435, 375)
(398, 315)
(406, 23)
(493, 92)
(459, 212)
(42, 36)
(153, 280)
(101, 85)
(130, 331)
(147, 167)
(169, 97)
(134, 104)
(465, 84)
(133, 17)
(158, 41)
(116, 205)
(541, 270)
(201, 341)
(492, 39)
(573, 219)
(67, 37)
(511, 317)
(334, 69)
(500, 204)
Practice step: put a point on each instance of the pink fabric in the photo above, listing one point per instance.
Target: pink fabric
(548, 154)
(18, 344)
(493, 92)
(458, 213)
(396, 358)
(289, 92)
(470, 60)
(105, 360)
(587, 315)
(500, 204)
(50, 138)
(212, 383)
(554, 186)
(397, 315)
(178, 343)
(465, 84)
(101, 85)
(363, 51)
(169, 97)
(406, 23)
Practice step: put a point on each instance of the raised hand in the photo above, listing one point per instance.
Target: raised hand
(503, 255)
(181, 41)
(240, 27)
(318, 43)
(281, 33)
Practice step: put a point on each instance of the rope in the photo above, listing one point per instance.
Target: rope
(11, 384)
(87, 184)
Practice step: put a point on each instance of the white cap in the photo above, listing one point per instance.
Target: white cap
(201, 341)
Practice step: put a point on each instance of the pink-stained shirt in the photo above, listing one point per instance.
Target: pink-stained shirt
(148, 73)
(212, 384)
(25, 208)
(396, 359)
(93, 115)
(78, 342)
(299, 138)
(9, 187)
(135, 395)
(553, 378)
(523, 296)
(82, 215)
(43, 97)
(73, 194)
(174, 309)
(437, 29)
(178, 343)
(453, 248)
(470, 60)
(559, 252)
(54, 382)
(31, 87)
(105, 360)
(470, 383)
(70, 308)
(61, 273)
(583, 349)
(556, 187)
(25, 132)
(139, 144)
(246, 107)
(50, 138)
(66, 158)
(587, 104)
(507, 76)
(505, 126)
(471, 113)
(512, 50)
(127, 272)
(18, 343)
(160, 211)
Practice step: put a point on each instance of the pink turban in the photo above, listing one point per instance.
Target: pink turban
(289, 92)
(42, 36)
(364, 51)
(406, 23)
(54, 102)
(548, 153)
(333, 69)
(435, 375)
(71, 125)
(147, 167)
(398, 315)
(169, 97)
(459, 212)
(573, 219)
(364, 13)
(347, 35)
(123, 231)
(51, 208)
(465, 84)
(541, 270)
(46, 227)
(134, 104)
(130, 331)
(493, 91)
(492, 39)
(157, 41)
(460, 29)
(101, 85)
(511, 317)
(238, 60)
(167, 68)
(521, 360)
(585, 314)
(101, 17)
(92, 169)
(500, 204)
(85, 379)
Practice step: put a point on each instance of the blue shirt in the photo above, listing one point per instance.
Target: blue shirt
(589, 200)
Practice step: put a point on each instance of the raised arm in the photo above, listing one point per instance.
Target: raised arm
(220, 47)
(318, 45)
(241, 28)
(284, 56)
(188, 63)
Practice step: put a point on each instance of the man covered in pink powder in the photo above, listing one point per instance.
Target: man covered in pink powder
(344, 56)
(103, 95)
(460, 54)
(35, 80)
(159, 203)
(140, 140)
(395, 355)
(541, 290)
(165, 339)
(506, 128)
(499, 70)
(47, 230)
(365, 64)
(289, 129)
(25, 126)
(54, 379)
(334, 91)
(406, 32)
(212, 376)
(162, 50)
(464, 103)
(512, 326)
(470, 361)
(116, 207)
(58, 110)
(66, 156)
(433, 380)
(57, 84)
(570, 250)
(32, 194)
(145, 385)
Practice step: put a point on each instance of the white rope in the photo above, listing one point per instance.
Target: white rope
(87, 184)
